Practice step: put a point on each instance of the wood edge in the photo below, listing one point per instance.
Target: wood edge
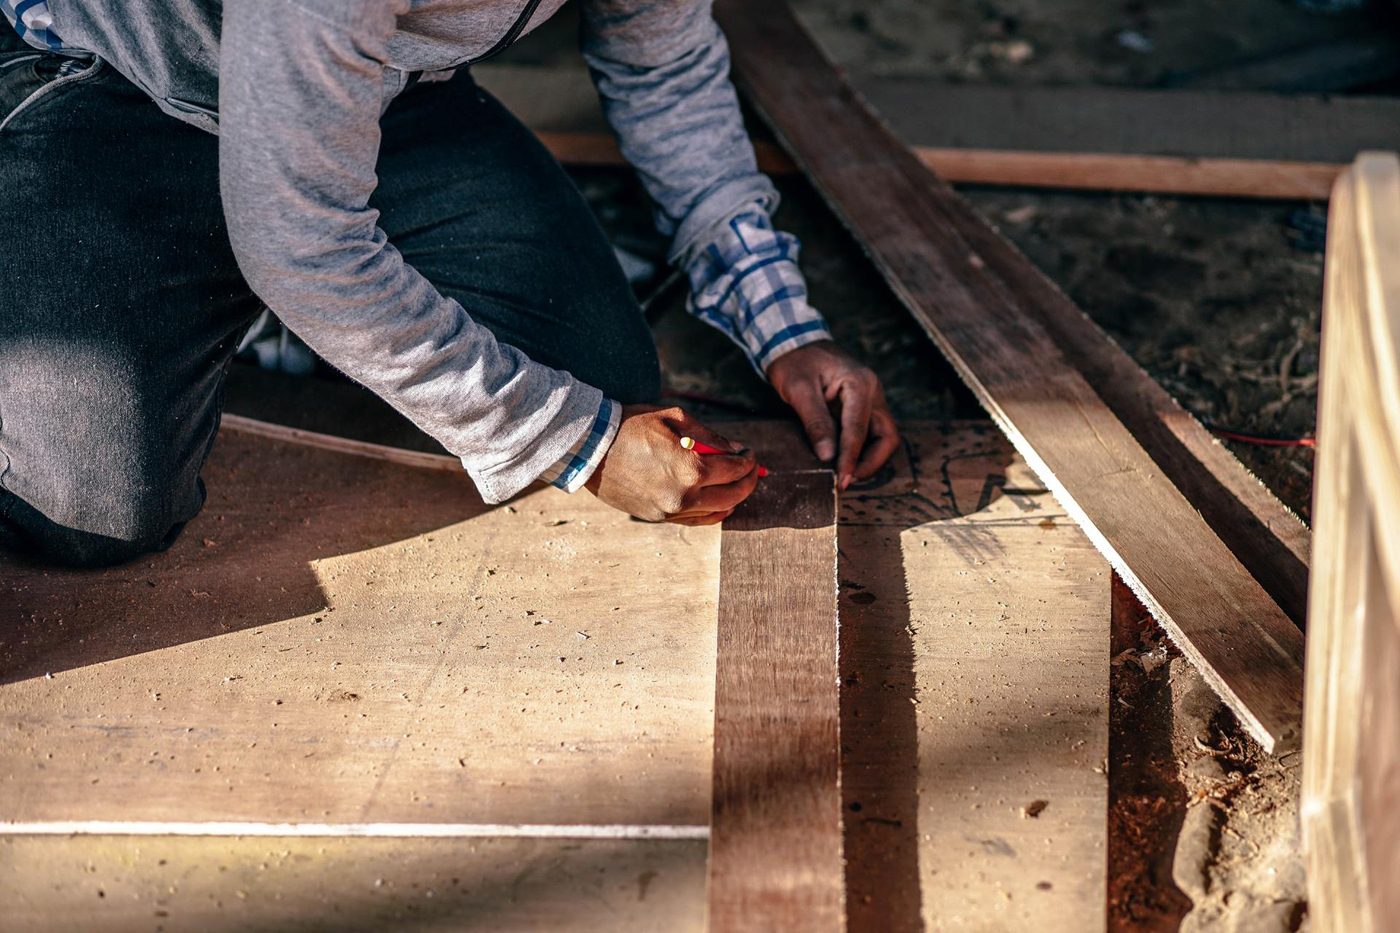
(318, 441)
(1275, 737)
(242, 829)
(1085, 171)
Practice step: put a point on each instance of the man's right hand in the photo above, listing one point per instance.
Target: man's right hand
(647, 473)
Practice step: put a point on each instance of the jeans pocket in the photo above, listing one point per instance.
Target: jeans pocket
(39, 78)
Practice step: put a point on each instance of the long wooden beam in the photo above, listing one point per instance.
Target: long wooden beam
(1093, 171)
(775, 834)
(985, 305)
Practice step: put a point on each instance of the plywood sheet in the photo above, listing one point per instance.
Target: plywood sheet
(975, 650)
(948, 728)
(339, 640)
(221, 885)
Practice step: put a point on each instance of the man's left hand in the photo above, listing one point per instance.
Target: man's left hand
(821, 377)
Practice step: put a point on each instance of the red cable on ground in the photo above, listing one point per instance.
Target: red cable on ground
(1261, 440)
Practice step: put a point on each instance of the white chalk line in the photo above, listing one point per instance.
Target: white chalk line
(360, 830)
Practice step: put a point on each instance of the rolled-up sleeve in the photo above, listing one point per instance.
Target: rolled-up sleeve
(662, 71)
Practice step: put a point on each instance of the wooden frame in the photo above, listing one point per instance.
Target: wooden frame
(1351, 758)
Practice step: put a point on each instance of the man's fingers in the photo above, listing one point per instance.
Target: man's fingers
(883, 441)
(723, 469)
(806, 399)
(856, 403)
(719, 498)
(699, 518)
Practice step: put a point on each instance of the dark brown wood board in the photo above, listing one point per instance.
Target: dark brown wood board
(977, 297)
(775, 831)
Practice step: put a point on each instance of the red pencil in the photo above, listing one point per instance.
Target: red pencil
(700, 447)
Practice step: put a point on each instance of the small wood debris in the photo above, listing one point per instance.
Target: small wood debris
(1033, 809)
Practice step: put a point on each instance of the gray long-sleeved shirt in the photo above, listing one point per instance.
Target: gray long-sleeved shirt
(295, 89)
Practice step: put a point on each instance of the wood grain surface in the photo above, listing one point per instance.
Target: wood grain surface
(775, 832)
(972, 292)
(1004, 606)
(1351, 755)
(124, 884)
(342, 640)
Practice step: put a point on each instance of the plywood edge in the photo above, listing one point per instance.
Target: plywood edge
(318, 441)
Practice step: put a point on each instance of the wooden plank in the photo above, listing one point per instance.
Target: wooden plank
(972, 292)
(1352, 752)
(1095, 171)
(120, 884)
(353, 643)
(1091, 171)
(974, 659)
(775, 832)
(1124, 139)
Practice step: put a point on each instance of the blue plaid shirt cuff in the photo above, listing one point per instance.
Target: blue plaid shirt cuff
(573, 469)
(747, 284)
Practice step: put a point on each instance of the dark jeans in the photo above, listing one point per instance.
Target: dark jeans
(121, 303)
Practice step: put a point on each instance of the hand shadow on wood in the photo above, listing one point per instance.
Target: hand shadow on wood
(247, 560)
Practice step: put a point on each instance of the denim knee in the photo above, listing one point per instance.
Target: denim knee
(635, 379)
(99, 528)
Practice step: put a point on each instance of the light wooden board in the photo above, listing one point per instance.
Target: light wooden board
(975, 641)
(947, 265)
(220, 885)
(340, 640)
(775, 832)
(1351, 756)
